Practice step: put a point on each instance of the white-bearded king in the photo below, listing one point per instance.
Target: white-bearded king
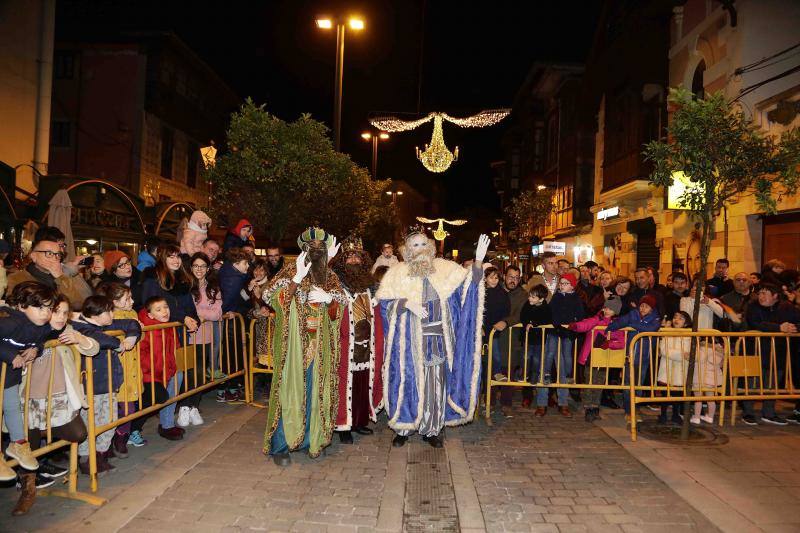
(432, 312)
(361, 341)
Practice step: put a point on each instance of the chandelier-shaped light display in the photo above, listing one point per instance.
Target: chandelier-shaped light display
(440, 233)
(436, 157)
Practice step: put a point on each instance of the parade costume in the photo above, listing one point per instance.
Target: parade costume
(361, 340)
(432, 312)
(308, 309)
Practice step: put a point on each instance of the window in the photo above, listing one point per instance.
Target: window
(61, 134)
(167, 147)
(698, 88)
(192, 160)
(63, 65)
(552, 141)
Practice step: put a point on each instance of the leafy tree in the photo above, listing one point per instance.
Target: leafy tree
(529, 211)
(724, 156)
(284, 176)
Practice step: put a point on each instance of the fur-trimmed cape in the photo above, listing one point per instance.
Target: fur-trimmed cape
(462, 314)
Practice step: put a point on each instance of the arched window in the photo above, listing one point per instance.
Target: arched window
(697, 80)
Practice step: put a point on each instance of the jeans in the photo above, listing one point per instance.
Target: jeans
(12, 413)
(564, 371)
(167, 415)
(498, 361)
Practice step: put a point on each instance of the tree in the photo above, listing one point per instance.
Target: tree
(723, 156)
(529, 211)
(284, 176)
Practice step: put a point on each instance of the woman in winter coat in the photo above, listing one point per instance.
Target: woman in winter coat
(169, 280)
(238, 236)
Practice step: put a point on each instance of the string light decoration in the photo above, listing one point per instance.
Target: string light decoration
(436, 157)
(440, 233)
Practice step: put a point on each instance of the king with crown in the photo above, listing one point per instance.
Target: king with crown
(432, 310)
(361, 341)
(308, 301)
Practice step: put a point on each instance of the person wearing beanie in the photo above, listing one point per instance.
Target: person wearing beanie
(566, 308)
(596, 338)
(643, 319)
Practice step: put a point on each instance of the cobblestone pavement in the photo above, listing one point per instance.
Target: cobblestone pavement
(521, 474)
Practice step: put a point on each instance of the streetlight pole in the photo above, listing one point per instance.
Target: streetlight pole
(382, 136)
(327, 23)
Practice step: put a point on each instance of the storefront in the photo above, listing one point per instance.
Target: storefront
(781, 239)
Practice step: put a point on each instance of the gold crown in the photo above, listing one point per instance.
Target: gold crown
(415, 229)
(352, 244)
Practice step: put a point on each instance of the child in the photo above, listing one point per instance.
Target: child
(707, 378)
(597, 376)
(23, 328)
(128, 400)
(96, 316)
(535, 312)
(644, 318)
(673, 364)
(159, 369)
(566, 307)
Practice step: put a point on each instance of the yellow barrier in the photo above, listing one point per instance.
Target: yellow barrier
(259, 363)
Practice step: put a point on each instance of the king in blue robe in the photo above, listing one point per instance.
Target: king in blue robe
(432, 311)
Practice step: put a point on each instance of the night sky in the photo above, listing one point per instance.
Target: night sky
(475, 56)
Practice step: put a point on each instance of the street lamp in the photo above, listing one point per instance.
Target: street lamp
(382, 136)
(394, 195)
(327, 23)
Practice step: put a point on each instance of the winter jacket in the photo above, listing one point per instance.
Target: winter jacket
(156, 352)
(144, 261)
(232, 238)
(231, 283)
(100, 362)
(129, 390)
(566, 309)
(179, 299)
(719, 286)
(496, 307)
(639, 323)
(210, 313)
(588, 292)
(769, 319)
(705, 319)
(637, 294)
(674, 360)
(672, 304)
(518, 296)
(73, 287)
(17, 333)
(535, 315)
(587, 325)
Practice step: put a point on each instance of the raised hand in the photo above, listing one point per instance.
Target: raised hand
(302, 267)
(333, 249)
(483, 247)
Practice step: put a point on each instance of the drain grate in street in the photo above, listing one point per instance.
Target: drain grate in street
(430, 503)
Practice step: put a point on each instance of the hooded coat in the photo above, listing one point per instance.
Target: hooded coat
(233, 239)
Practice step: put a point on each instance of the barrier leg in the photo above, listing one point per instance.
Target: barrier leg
(72, 486)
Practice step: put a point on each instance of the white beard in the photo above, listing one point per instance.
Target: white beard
(421, 266)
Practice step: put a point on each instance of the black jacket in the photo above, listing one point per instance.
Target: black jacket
(496, 305)
(134, 283)
(178, 298)
(231, 283)
(672, 304)
(566, 308)
(17, 333)
(535, 315)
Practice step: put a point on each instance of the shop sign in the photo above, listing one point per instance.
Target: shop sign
(610, 212)
(102, 218)
(558, 248)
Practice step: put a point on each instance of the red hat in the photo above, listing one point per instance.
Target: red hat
(650, 300)
(112, 257)
(571, 278)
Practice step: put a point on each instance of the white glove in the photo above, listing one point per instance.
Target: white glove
(333, 249)
(302, 268)
(417, 309)
(319, 296)
(483, 246)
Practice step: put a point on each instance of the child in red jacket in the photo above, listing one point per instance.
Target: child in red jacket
(160, 378)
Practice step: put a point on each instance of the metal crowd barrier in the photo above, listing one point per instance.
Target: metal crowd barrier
(260, 361)
(233, 363)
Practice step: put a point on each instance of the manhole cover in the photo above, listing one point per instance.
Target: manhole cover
(430, 503)
(698, 436)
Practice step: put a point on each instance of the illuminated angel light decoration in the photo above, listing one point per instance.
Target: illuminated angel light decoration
(440, 233)
(436, 157)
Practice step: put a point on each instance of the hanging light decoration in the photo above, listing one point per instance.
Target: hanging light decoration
(436, 157)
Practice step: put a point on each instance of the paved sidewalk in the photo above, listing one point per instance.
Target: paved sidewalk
(752, 483)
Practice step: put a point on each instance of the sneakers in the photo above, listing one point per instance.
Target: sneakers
(6, 472)
(221, 396)
(564, 410)
(707, 419)
(119, 445)
(173, 433)
(218, 374)
(194, 417)
(50, 471)
(547, 379)
(183, 416)
(22, 453)
(750, 420)
(775, 420)
(232, 397)
(42, 482)
(526, 403)
(592, 414)
(500, 377)
(695, 420)
(628, 419)
(136, 439)
(540, 411)
(794, 418)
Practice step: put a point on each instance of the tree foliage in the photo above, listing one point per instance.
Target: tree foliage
(530, 210)
(724, 156)
(284, 176)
